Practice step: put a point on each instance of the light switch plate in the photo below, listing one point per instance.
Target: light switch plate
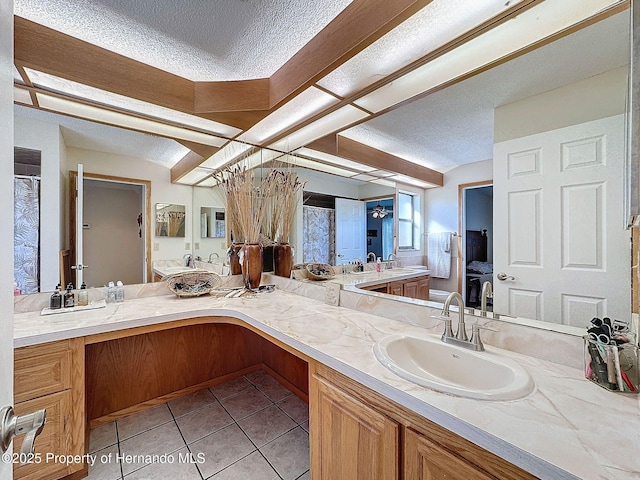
(187, 246)
(156, 247)
(196, 246)
(332, 294)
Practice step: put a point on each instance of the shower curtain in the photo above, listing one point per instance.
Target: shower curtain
(319, 235)
(26, 233)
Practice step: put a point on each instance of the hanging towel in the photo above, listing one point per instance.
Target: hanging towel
(439, 254)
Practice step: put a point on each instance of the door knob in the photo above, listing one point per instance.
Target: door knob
(12, 425)
(503, 276)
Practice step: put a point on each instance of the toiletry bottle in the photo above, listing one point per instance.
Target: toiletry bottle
(56, 299)
(16, 289)
(69, 300)
(378, 265)
(111, 293)
(119, 292)
(83, 295)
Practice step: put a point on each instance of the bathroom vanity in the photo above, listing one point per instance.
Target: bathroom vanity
(365, 421)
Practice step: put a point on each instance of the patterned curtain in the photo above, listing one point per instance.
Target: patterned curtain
(26, 233)
(319, 235)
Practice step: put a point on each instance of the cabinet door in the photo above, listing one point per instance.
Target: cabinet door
(423, 288)
(396, 288)
(349, 440)
(426, 460)
(411, 289)
(55, 438)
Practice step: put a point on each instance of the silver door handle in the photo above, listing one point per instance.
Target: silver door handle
(79, 267)
(503, 276)
(12, 425)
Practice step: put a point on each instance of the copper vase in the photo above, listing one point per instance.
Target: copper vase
(234, 259)
(251, 261)
(282, 259)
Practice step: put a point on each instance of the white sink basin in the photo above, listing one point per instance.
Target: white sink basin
(399, 270)
(175, 269)
(429, 362)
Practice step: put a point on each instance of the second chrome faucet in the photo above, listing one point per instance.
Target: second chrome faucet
(460, 338)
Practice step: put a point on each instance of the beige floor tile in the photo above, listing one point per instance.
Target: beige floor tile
(179, 469)
(102, 437)
(251, 467)
(289, 454)
(266, 425)
(144, 420)
(305, 425)
(189, 403)
(259, 377)
(222, 449)
(245, 403)
(305, 476)
(296, 408)
(157, 441)
(200, 423)
(274, 390)
(229, 388)
(109, 469)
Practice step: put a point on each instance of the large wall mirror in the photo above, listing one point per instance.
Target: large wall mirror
(580, 78)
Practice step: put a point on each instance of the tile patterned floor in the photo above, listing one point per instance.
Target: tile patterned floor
(249, 428)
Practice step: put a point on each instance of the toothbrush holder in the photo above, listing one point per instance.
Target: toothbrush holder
(613, 367)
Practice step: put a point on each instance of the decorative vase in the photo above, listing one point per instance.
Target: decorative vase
(251, 262)
(234, 258)
(282, 259)
(267, 258)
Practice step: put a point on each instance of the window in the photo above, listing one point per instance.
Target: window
(408, 221)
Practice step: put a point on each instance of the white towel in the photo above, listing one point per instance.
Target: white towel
(439, 254)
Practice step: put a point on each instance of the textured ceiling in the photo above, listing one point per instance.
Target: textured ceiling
(196, 39)
(104, 138)
(455, 126)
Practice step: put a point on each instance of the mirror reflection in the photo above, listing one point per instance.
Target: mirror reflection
(170, 220)
(579, 79)
(212, 223)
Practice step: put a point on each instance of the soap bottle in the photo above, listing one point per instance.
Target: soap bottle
(111, 293)
(56, 299)
(69, 299)
(16, 289)
(378, 265)
(119, 292)
(83, 295)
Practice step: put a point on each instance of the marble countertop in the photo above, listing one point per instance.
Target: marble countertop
(567, 428)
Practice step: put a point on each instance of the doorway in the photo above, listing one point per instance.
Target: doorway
(380, 221)
(476, 257)
(116, 226)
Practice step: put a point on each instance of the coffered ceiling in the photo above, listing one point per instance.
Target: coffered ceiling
(367, 89)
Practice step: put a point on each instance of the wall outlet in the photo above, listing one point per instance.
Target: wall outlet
(187, 246)
(156, 247)
(196, 246)
(223, 245)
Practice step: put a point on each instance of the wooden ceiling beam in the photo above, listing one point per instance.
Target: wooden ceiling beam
(361, 153)
(236, 96)
(49, 51)
(188, 163)
(201, 149)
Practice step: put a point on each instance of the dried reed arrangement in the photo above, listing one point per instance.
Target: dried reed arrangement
(284, 203)
(246, 201)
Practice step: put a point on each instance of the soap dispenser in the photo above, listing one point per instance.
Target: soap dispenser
(83, 295)
(56, 299)
(119, 292)
(69, 299)
(111, 293)
(378, 265)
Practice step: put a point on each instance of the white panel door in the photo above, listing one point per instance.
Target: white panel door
(79, 266)
(560, 236)
(351, 224)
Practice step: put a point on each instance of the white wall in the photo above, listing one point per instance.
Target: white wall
(46, 138)
(6, 213)
(597, 97)
(441, 211)
(162, 191)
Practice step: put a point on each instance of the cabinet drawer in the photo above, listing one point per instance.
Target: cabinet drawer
(55, 438)
(38, 375)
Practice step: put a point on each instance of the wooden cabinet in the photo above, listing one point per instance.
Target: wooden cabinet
(417, 287)
(425, 459)
(350, 440)
(423, 287)
(410, 289)
(395, 288)
(51, 376)
(358, 433)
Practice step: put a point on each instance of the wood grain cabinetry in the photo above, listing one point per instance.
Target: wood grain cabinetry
(51, 376)
(351, 441)
(395, 288)
(416, 287)
(358, 433)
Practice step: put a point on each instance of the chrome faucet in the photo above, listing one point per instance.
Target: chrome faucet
(188, 260)
(460, 338)
(389, 264)
(369, 255)
(487, 292)
(217, 257)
